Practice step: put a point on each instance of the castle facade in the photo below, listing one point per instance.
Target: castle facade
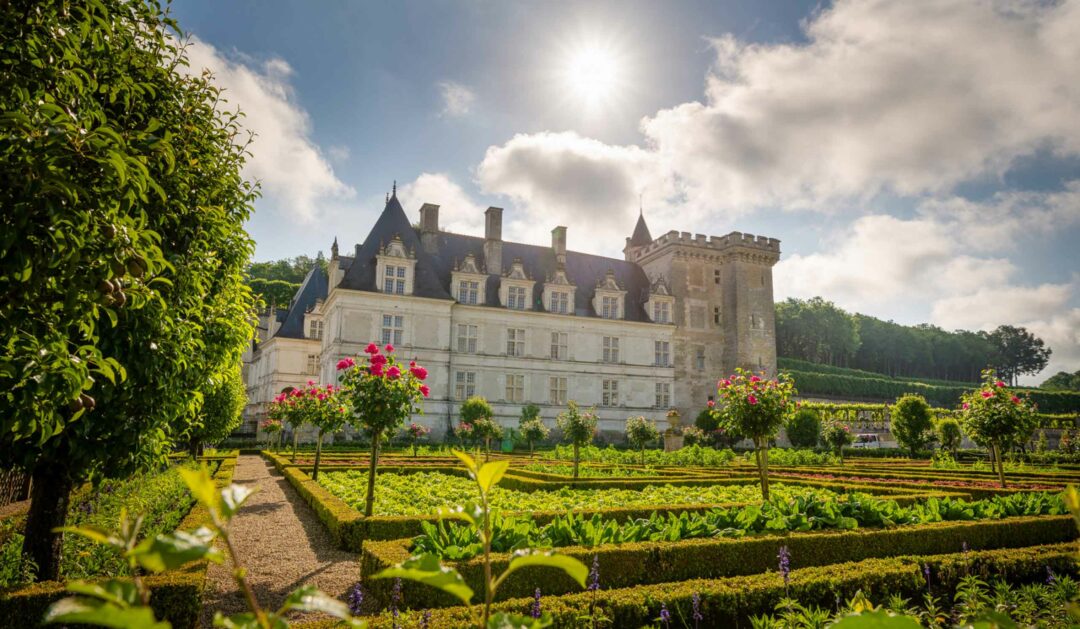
(518, 323)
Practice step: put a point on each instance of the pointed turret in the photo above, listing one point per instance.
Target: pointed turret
(641, 238)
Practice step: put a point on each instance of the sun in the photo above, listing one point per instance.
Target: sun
(592, 75)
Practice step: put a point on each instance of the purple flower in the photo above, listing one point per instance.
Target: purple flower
(785, 564)
(1051, 578)
(425, 620)
(594, 574)
(964, 547)
(665, 615)
(534, 610)
(926, 573)
(356, 599)
(696, 602)
(395, 599)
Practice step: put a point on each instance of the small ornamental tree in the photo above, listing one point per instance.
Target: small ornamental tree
(911, 423)
(996, 416)
(272, 428)
(486, 429)
(640, 432)
(534, 430)
(578, 427)
(753, 406)
(466, 433)
(296, 410)
(477, 413)
(694, 436)
(528, 412)
(382, 396)
(222, 410)
(415, 432)
(328, 414)
(949, 434)
(804, 429)
(837, 436)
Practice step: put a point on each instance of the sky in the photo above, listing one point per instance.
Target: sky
(919, 160)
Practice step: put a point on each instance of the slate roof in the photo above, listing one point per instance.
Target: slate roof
(313, 287)
(641, 235)
(433, 271)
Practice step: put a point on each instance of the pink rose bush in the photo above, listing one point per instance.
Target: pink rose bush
(756, 407)
(997, 421)
(415, 432)
(381, 395)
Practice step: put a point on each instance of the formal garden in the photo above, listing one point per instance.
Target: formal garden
(125, 316)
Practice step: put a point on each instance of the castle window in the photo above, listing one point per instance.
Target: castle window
(393, 329)
(662, 312)
(558, 302)
(610, 309)
(464, 384)
(716, 315)
(611, 349)
(515, 341)
(515, 298)
(515, 388)
(700, 359)
(315, 329)
(716, 276)
(557, 393)
(662, 353)
(559, 345)
(394, 280)
(466, 338)
(312, 363)
(663, 394)
(610, 395)
(468, 291)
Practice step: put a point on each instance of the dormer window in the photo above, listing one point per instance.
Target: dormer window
(558, 301)
(395, 268)
(469, 281)
(515, 297)
(661, 312)
(661, 302)
(515, 290)
(315, 329)
(559, 293)
(609, 298)
(610, 309)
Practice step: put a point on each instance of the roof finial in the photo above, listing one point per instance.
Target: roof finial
(395, 189)
(387, 197)
(640, 207)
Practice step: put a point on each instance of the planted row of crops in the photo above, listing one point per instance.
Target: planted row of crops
(811, 511)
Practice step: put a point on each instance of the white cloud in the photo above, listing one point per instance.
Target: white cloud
(295, 176)
(994, 304)
(457, 99)
(457, 211)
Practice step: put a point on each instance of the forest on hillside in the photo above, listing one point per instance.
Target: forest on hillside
(276, 281)
(818, 331)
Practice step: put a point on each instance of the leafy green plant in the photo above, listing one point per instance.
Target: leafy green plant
(995, 416)
(427, 569)
(123, 603)
(949, 434)
(578, 427)
(837, 436)
(533, 430)
(912, 424)
(640, 432)
(804, 428)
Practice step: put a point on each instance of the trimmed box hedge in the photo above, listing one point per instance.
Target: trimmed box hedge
(731, 601)
(175, 596)
(628, 565)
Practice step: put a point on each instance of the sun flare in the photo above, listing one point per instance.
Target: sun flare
(592, 74)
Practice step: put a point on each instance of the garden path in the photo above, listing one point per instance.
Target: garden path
(282, 544)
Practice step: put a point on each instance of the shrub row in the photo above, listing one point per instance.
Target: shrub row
(645, 563)
(730, 601)
(175, 596)
(813, 383)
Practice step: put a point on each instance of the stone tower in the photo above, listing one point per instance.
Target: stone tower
(724, 312)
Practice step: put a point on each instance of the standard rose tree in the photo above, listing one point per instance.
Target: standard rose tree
(753, 406)
(382, 395)
(533, 430)
(578, 427)
(415, 432)
(640, 432)
(837, 436)
(994, 415)
(325, 411)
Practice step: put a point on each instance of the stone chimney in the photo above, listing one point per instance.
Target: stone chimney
(493, 240)
(558, 245)
(429, 227)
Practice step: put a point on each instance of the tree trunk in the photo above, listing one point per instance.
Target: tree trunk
(295, 438)
(369, 504)
(643, 455)
(193, 447)
(1000, 465)
(318, 455)
(50, 495)
(575, 460)
(487, 448)
(765, 469)
(759, 456)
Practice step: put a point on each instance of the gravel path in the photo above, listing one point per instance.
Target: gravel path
(282, 544)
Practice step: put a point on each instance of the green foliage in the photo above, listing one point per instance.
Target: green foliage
(911, 423)
(578, 427)
(815, 330)
(688, 455)
(837, 436)
(804, 429)
(533, 430)
(949, 434)
(277, 293)
(1017, 352)
(222, 408)
(529, 412)
(641, 432)
(475, 408)
(694, 436)
(1062, 381)
(995, 416)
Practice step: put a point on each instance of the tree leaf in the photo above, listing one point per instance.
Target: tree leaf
(470, 512)
(122, 593)
(168, 552)
(470, 464)
(308, 598)
(876, 620)
(95, 533)
(88, 611)
(428, 570)
(202, 487)
(503, 620)
(525, 558)
(490, 473)
(232, 498)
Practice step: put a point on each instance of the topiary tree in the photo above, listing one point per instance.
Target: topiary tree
(528, 412)
(640, 432)
(381, 395)
(293, 408)
(949, 434)
(272, 428)
(804, 429)
(578, 427)
(694, 436)
(755, 407)
(414, 432)
(534, 430)
(837, 436)
(911, 423)
(222, 410)
(122, 248)
(477, 413)
(994, 415)
(327, 412)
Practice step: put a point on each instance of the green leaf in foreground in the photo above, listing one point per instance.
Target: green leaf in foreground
(428, 570)
(502, 620)
(78, 610)
(168, 552)
(572, 567)
(876, 620)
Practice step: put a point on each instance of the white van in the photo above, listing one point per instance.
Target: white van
(866, 440)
